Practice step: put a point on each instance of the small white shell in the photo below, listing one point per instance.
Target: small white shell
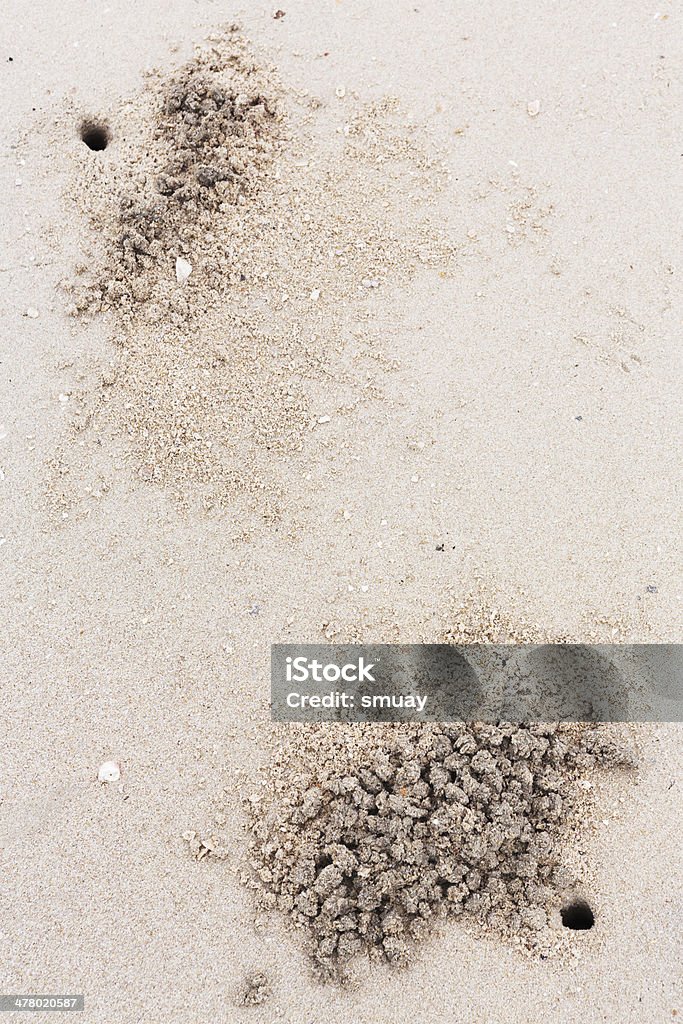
(533, 108)
(109, 772)
(183, 269)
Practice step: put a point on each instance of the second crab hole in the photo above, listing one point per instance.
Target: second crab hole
(577, 916)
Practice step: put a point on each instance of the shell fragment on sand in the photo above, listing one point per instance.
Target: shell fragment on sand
(109, 772)
(183, 269)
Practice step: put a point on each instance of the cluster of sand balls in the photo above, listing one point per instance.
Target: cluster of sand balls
(216, 136)
(213, 131)
(432, 820)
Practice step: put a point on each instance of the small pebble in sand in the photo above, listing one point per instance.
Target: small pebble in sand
(256, 990)
(32, 312)
(533, 108)
(109, 772)
(183, 269)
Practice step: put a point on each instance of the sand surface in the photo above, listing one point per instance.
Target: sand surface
(527, 425)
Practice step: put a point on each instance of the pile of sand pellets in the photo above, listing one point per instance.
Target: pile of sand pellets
(366, 836)
(237, 245)
(212, 131)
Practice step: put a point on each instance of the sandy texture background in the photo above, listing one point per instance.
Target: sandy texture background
(530, 428)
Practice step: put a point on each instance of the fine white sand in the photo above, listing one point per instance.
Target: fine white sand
(530, 427)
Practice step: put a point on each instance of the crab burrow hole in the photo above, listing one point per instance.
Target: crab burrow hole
(95, 134)
(577, 916)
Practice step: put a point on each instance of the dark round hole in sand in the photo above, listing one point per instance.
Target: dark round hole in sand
(95, 135)
(578, 916)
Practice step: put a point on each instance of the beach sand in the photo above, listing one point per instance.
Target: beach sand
(502, 434)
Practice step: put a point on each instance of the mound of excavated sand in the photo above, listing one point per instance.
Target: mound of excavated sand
(367, 837)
